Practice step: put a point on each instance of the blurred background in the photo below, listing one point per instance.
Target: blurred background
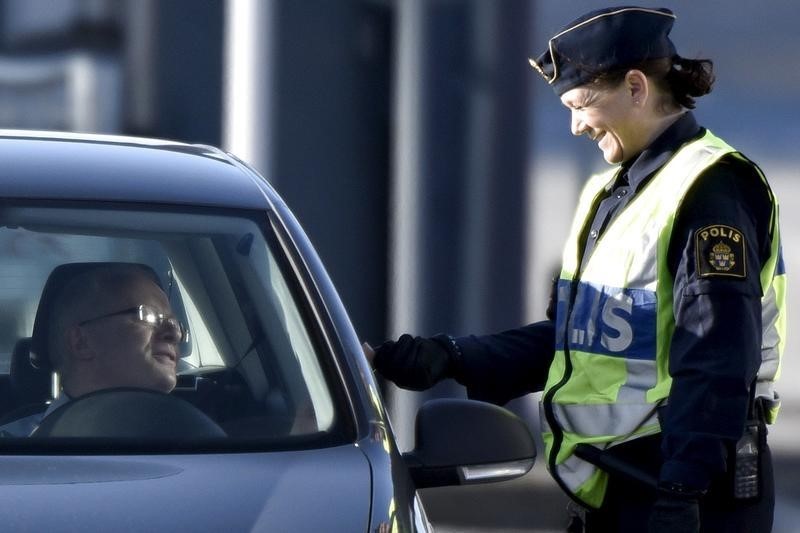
(431, 167)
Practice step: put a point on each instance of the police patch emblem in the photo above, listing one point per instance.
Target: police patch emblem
(719, 251)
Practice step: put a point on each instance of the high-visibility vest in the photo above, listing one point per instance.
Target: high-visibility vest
(615, 321)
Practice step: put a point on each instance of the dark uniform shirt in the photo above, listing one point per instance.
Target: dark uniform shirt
(715, 349)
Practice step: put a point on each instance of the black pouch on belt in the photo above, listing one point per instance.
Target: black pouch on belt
(746, 473)
(746, 456)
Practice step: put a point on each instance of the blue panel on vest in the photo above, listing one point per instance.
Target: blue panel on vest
(608, 321)
(781, 268)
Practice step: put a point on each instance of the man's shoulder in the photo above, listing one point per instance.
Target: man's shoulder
(28, 418)
(22, 427)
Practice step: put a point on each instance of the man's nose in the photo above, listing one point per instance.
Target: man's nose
(169, 332)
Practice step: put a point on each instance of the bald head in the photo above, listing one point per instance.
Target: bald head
(96, 338)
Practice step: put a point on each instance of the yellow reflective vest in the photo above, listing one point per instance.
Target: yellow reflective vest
(615, 322)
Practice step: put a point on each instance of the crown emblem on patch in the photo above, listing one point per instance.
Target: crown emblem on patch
(720, 251)
(721, 257)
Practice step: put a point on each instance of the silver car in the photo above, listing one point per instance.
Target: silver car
(276, 422)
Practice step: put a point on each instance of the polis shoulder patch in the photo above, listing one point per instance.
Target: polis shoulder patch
(719, 251)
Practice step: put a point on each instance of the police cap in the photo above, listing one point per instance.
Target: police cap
(602, 41)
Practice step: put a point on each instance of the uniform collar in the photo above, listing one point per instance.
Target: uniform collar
(660, 150)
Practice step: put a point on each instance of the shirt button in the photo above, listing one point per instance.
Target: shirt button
(593, 234)
(622, 193)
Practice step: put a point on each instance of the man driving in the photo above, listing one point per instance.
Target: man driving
(109, 326)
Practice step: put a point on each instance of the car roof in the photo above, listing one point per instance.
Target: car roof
(72, 166)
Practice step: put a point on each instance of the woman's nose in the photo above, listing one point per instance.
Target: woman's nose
(576, 125)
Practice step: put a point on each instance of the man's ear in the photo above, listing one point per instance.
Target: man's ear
(78, 343)
(638, 87)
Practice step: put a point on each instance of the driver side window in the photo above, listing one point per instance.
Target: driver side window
(206, 316)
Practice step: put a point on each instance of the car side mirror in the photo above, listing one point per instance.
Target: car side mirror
(461, 442)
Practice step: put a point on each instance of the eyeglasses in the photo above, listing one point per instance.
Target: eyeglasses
(150, 316)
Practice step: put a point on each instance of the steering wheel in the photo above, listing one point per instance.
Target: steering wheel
(129, 413)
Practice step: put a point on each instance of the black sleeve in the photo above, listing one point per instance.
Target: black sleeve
(720, 241)
(497, 368)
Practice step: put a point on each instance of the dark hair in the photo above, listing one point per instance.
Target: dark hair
(682, 79)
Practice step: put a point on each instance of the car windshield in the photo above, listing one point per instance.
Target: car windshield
(221, 346)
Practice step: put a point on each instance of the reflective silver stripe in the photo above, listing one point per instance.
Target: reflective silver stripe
(769, 365)
(575, 472)
(643, 271)
(544, 425)
(642, 376)
(770, 340)
(646, 275)
(630, 411)
(604, 420)
(766, 389)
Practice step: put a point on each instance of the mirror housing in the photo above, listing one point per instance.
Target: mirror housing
(461, 442)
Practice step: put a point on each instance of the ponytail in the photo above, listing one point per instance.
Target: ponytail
(688, 79)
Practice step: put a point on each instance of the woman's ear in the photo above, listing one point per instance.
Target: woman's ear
(638, 87)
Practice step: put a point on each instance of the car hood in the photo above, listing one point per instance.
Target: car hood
(312, 490)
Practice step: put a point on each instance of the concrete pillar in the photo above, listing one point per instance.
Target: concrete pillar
(459, 159)
(248, 82)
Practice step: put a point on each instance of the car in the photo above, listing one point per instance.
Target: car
(276, 421)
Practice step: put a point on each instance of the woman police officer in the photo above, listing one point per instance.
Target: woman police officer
(667, 319)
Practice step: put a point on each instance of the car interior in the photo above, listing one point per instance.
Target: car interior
(254, 368)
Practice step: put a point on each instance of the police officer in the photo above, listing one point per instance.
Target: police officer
(667, 319)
